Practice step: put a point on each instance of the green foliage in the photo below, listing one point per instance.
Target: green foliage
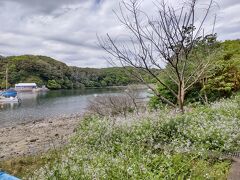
(155, 103)
(52, 84)
(26, 165)
(43, 70)
(35, 79)
(224, 76)
(158, 145)
(221, 80)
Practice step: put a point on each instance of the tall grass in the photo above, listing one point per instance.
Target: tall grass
(160, 145)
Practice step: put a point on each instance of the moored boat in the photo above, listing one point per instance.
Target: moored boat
(42, 89)
(9, 96)
(9, 99)
(9, 93)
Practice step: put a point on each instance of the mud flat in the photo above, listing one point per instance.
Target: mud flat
(36, 137)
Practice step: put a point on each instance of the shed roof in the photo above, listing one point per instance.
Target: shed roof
(25, 84)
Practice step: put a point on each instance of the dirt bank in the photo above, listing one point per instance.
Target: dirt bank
(34, 137)
(234, 173)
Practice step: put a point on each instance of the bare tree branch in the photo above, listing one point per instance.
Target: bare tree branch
(170, 39)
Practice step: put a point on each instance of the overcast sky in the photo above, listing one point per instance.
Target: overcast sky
(66, 29)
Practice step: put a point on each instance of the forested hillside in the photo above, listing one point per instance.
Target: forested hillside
(221, 80)
(57, 75)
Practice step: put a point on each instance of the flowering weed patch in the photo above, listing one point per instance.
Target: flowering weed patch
(159, 147)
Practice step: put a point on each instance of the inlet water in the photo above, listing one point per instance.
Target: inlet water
(36, 106)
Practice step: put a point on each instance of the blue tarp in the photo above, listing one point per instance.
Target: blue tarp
(9, 93)
(5, 176)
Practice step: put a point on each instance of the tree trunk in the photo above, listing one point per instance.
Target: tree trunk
(205, 97)
(205, 93)
(181, 96)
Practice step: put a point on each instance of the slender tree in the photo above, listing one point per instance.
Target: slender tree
(170, 41)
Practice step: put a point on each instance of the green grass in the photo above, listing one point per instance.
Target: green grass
(25, 166)
(157, 146)
(154, 145)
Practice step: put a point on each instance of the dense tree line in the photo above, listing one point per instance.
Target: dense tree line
(57, 75)
(221, 80)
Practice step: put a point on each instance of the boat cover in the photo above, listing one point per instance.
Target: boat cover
(5, 176)
(9, 93)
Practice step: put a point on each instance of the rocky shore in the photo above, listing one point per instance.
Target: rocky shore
(36, 137)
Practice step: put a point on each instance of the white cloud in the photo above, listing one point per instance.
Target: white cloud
(66, 30)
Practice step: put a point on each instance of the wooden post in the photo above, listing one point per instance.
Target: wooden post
(7, 77)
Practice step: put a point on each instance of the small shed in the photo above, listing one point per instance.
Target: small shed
(25, 86)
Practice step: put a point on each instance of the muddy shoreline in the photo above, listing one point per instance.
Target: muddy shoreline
(36, 137)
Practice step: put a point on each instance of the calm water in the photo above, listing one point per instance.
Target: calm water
(37, 106)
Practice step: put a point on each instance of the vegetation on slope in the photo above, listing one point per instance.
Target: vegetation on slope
(224, 76)
(157, 145)
(57, 75)
(221, 80)
(162, 145)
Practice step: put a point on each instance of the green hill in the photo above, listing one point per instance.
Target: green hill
(57, 75)
(223, 76)
(221, 80)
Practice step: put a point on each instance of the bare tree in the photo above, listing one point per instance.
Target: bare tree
(113, 105)
(168, 42)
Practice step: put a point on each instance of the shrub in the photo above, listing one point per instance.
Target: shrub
(111, 105)
(52, 84)
(114, 105)
(161, 145)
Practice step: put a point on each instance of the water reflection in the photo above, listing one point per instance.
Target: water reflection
(4, 106)
(40, 105)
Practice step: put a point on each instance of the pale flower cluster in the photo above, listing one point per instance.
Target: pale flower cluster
(101, 146)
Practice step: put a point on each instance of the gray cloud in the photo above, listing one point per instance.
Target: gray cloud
(45, 6)
(66, 29)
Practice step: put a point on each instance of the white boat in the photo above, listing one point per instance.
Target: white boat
(42, 89)
(10, 95)
(9, 99)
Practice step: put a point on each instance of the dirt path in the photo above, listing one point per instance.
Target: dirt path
(235, 170)
(31, 138)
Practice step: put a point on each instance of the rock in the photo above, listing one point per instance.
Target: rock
(33, 140)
